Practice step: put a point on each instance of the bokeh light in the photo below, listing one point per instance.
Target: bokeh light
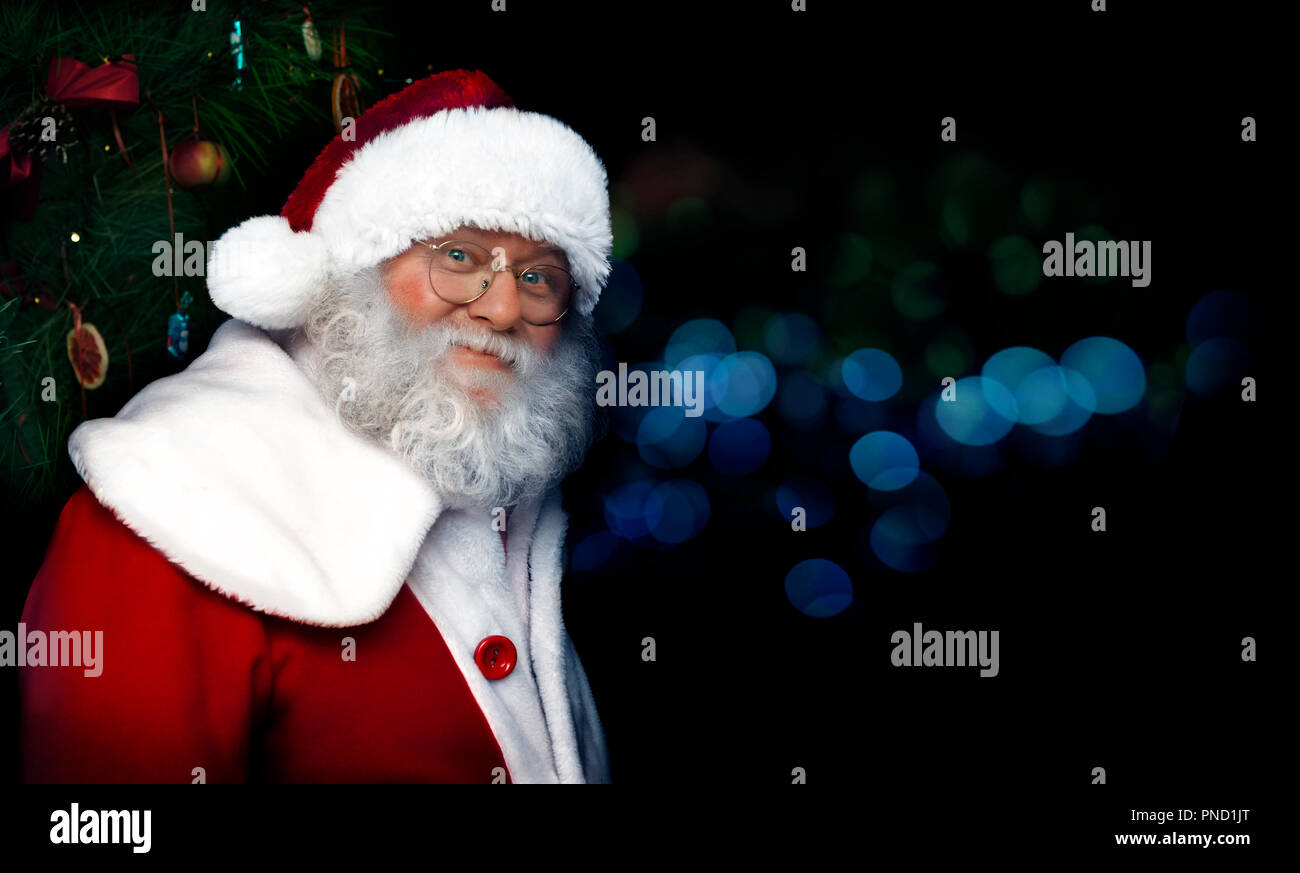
(697, 337)
(1077, 400)
(813, 495)
(1222, 315)
(919, 292)
(946, 454)
(742, 384)
(850, 261)
(1217, 364)
(949, 354)
(703, 385)
(627, 513)
(676, 510)
(819, 588)
(871, 374)
(898, 539)
(1010, 368)
(1112, 369)
(626, 420)
(972, 418)
(790, 337)
(668, 438)
(627, 235)
(1017, 265)
(884, 460)
(955, 221)
(906, 535)
(1041, 396)
(594, 551)
(1036, 198)
(802, 399)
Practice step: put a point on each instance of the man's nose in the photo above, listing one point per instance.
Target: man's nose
(500, 305)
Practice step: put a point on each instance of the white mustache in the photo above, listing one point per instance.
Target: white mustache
(447, 336)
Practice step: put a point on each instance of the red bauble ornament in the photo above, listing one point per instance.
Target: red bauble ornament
(199, 163)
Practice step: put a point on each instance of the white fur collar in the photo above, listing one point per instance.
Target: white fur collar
(237, 471)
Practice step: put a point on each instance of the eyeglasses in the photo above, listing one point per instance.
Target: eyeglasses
(461, 272)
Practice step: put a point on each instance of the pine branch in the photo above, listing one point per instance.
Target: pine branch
(184, 59)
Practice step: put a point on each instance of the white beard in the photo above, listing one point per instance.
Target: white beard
(392, 382)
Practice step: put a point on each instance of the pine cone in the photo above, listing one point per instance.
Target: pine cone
(25, 134)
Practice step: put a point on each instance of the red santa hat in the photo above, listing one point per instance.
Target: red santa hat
(448, 150)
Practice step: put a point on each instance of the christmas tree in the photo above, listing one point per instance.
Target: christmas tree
(130, 137)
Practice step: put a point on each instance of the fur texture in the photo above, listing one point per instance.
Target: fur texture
(423, 97)
(264, 273)
(495, 168)
(238, 471)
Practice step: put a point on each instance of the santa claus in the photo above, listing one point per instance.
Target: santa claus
(330, 550)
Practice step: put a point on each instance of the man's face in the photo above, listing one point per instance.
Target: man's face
(498, 312)
(489, 408)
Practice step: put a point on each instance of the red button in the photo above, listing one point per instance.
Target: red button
(496, 656)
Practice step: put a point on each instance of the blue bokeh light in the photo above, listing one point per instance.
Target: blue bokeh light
(871, 374)
(1222, 315)
(1010, 368)
(946, 454)
(802, 399)
(699, 336)
(899, 538)
(668, 438)
(1112, 369)
(1077, 402)
(905, 537)
(819, 588)
(677, 510)
(1217, 364)
(703, 385)
(790, 337)
(627, 512)
(971, 417)
(813, 495)
(743, 384)
(625, 420)
(594, 551)
(1041, 395)
(884, 460)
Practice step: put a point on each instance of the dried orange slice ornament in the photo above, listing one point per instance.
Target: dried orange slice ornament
(88, 354)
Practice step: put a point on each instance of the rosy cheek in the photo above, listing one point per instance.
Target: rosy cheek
(409, 293)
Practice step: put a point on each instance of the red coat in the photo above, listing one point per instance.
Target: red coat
(193, 679)
(243, 674)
